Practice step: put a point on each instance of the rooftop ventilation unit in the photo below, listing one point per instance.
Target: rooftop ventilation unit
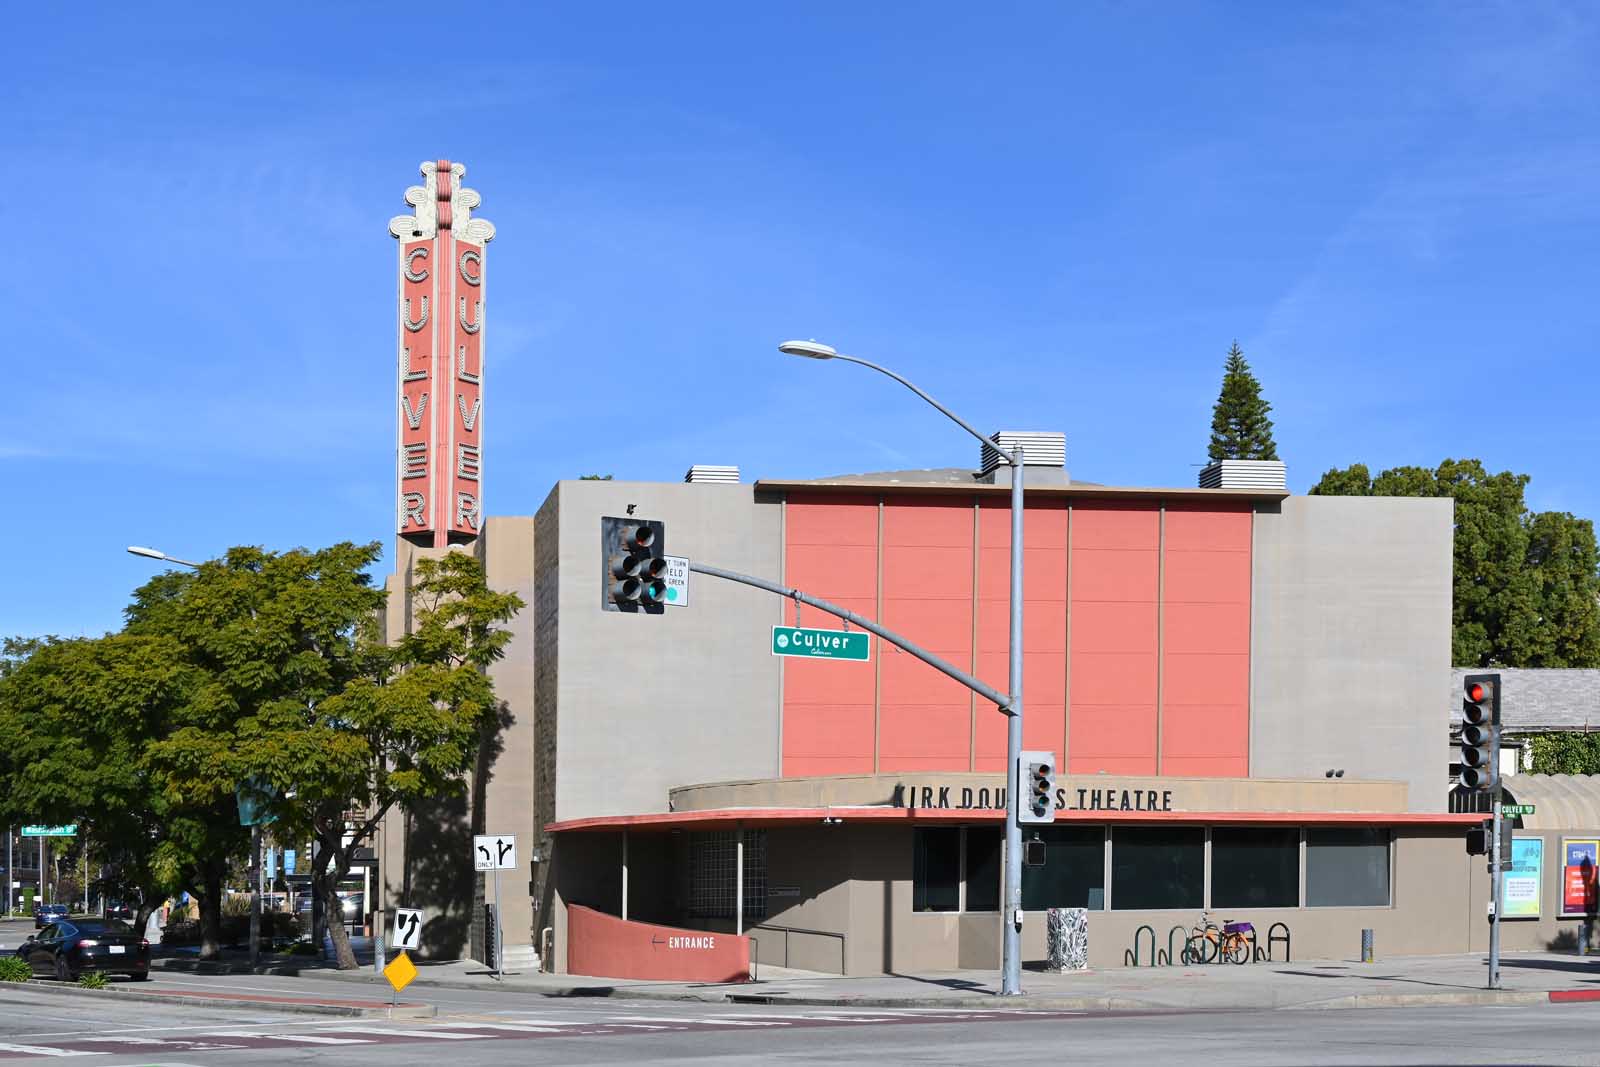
(701, 473)
(1040, 448)
(1244, 474)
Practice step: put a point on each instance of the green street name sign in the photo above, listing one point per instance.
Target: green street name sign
(1517, 809)
(852, 645)
(70, 830)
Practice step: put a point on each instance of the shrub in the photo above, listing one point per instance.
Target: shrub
(93, 980)
(13, 969)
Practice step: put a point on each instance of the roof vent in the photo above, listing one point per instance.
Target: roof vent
(713, 475)
(1244, 474)
(1040, 448)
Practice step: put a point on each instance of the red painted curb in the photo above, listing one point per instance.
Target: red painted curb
(1567, 996)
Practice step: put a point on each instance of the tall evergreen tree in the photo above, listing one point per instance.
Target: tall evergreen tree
(1240, 428)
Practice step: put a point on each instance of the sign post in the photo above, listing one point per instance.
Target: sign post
(495, 852)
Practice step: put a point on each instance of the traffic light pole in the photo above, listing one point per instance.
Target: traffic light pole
(1011, 942)
(1494, 877)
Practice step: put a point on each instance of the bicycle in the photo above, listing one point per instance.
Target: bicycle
(1207, 943)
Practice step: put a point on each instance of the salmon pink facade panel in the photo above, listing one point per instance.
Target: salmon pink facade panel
(1205, 701)
(1044, 627)
(925, 719)
(1114, 649)
(831, 551)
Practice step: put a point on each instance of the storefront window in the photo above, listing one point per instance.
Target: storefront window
(1074, 871)
(936, 869)
(1157, 869)
(1347, 868)
(983, 868)
(1255, 868)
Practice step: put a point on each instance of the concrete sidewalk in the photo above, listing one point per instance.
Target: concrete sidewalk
(1526, 978)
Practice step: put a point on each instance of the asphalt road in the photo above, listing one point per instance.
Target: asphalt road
(36, 1025)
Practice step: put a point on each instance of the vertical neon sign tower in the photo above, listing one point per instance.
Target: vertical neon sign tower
(439, 387)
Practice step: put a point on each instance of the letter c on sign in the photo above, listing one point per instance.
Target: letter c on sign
(474, 276)
(420, 252)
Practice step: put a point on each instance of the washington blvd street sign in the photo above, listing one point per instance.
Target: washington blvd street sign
(70, 830)
(851, 645)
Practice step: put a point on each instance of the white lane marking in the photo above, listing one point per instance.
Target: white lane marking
(518, 1027)
(40, 1050)
(313, 1039)
(441, 1034)
(691, 1020)
(122, 1040)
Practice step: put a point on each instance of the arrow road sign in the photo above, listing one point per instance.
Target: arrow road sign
(494, 852)
(407, 928)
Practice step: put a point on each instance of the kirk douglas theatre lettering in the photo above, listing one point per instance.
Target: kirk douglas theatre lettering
(1068, 798)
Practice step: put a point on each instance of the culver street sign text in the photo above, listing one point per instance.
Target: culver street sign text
(853, 645)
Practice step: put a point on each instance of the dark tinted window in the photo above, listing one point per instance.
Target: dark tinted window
(1157, 868)
(1074, 871)
(48, 932)
(1255, 868)
(983, 868)
(936, 869)
(114, 927)
(1348, 868)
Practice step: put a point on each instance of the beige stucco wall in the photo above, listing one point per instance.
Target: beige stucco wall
(1184, 794)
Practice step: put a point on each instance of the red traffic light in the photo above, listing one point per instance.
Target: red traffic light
(1475, 691)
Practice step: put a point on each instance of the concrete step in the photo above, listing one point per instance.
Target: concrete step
(521, 958)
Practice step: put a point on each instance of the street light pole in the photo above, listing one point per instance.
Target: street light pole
(1011, 915)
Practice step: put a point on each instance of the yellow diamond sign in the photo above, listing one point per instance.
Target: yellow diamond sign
(400, 972)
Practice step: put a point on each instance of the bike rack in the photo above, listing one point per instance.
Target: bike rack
(1130, 958)
(1183, 936)
(1273, 938)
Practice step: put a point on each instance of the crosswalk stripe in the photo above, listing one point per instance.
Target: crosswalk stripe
(443, 1035)
(41, 1050)
(313, 1039)
(521, 1028)
(698, 1020)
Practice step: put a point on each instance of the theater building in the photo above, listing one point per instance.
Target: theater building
(1242, 688)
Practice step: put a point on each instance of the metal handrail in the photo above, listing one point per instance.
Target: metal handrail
(787, 930)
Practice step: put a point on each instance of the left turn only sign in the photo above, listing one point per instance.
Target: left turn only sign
(494, 852)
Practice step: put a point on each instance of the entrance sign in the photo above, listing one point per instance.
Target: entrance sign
(852, 646)
(68, 830)
(494, 852)
(1520, 882)
(677, 581)
(1578, 859)
(407, 928)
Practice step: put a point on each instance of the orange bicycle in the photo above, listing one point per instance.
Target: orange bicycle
(1208, 944)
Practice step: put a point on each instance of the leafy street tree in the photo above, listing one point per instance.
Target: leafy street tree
(1240, 427)
(1527, 584)
(76, 716)
(408, 725)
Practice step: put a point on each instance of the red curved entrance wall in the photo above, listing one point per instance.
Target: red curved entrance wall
(604, 946)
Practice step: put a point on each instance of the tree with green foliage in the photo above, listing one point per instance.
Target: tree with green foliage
(1526, 584)
(408, 724)
(1565, 753)
(1240, 426)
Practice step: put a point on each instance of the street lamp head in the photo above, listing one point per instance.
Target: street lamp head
(809, 349)
(148, 553)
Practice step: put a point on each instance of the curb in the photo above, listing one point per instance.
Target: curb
(404, 1011)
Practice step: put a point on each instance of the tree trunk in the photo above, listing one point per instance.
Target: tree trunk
(211, 916)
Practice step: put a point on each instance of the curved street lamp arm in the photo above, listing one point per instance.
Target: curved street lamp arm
(952, 416)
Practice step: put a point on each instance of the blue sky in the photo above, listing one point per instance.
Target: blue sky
(1052, 216)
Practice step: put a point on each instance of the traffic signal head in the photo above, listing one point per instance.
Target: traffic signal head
(1478, 841)
(1036, 787)
(633, 570)
(1480, 732)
